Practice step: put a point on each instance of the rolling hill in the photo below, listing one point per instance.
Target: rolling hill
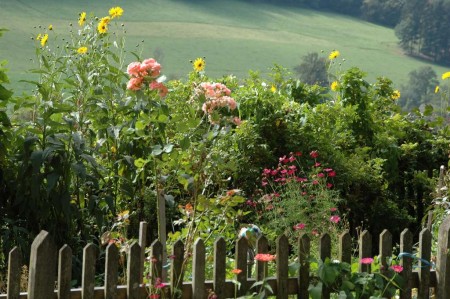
(234, 36)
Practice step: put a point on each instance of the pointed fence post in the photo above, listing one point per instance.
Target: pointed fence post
(88, 275)
(133, 276)
(14, 262)
(220, 255)
(325, 252)
(262, 246)
(406, 246)
(198, 270)
(282, 267)
(64, 272)
(143, 244)
(304, 248)
(41, 280)
(443, 261)
(424, 268)
(176, 272)
(111, 271)
(345, 247)
(385, 249)
(241, 263)
(365, 250)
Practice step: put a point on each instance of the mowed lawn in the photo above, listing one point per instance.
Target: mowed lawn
(234, 36)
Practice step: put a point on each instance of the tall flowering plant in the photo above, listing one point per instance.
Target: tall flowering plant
(299, 196)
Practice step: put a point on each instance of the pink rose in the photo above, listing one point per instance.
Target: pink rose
(135, 83)
(133, 69)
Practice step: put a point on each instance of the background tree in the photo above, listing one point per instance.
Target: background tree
(384, 12)
(313, 69)
(420, 88)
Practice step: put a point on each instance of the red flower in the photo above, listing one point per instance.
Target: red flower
(397, 268)
(299, 226)
(314, 154)
(332, 173)
(153, 296)
(335, 219)
(236, 271)
(321, 175)
(298, 154)
(366, 261)
(265, 257)
(329, 185)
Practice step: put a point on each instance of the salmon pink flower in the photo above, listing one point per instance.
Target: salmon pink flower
(397, 268)
(236, 271)
(366, 261)
(265, 257)
(135, 83)
(133, 69)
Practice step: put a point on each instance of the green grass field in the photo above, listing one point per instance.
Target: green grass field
(234, 36)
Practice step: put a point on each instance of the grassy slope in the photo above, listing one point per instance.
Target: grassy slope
(234, 36)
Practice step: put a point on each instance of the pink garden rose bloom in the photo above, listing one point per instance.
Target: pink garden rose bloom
(150, 67)
(155, 85)
(135, 83)
(133, 69)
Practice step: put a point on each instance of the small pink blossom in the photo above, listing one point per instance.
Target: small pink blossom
(333, 209)
(397, 268)
(315, 182)
(314, 154)
(133, 69)
(299, 226)
(329, 185)
(317, 164)
(335, 218)
(366, 261)
(237, 121)
(135, 83)
(332, 173)
(321, 175)
(314, 232)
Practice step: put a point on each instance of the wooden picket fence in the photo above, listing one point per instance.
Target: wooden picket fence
(50, 271)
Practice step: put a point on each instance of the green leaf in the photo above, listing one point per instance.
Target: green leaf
(36, 160)
(315, 291)
(185, 143)
(168, 148)
(140, 163)
(157, 150)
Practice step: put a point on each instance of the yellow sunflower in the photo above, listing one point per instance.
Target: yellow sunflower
(102, 27)
(199, 64)
(445, 75)
(333, 55)
(105, 20)
(44, 40)
(395, 95)
(115, 12)
(82, 18)
(334, 86)
(436, 90)
(82, 50)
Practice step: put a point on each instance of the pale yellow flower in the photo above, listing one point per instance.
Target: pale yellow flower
(445, 75)
(82, 50)
(115, 12)
(82, 18)
(334, 86)
(436, 90)
(50, 27)
(334, 54)
(44, 40)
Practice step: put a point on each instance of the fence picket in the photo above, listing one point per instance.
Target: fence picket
(41, 278)
(198, 270)
(385, 250)
(304, 248)
(14, 271)
(282, 267)
(365, 250)
(345, 247)
(424, 268)
(220, 254)
(443, 260)
(406, 246)
(111, 271)
(64, 272)
(88, 274)
(133, 277)
(142, 244)
(241, 263)
(176, 272)
(156, 260)
(262, 246)
(325, 252)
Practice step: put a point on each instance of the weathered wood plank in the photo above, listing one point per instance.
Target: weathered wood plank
(325, 252)
(64, 272)
(365, 250)
(282, 267)
(241, 263)
(424, 270)
(41, 279)
(406, 246)
(304, 248)
(198, 270)
(385, 250)
(443, 260)
(220, 255)
(88, 274)
(262, 246)
(142, 244)
(14, 271)
(156, 260)
(111, 271)
(133, 276)
(345, 247)
(176, 272)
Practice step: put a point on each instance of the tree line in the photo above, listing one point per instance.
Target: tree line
(420, 25)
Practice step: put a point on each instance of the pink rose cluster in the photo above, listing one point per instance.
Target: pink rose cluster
(146, 72)
(216, 96)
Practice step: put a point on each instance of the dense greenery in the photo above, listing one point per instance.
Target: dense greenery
(102, 140)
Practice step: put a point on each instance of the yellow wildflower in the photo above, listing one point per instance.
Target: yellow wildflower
(82, 50)
(82, 18)
(102, 27)
(50, 27)
(436, 90)
(445, 75)
(105, 20)
(199, 64)
(115, 12)
(273, 89)
(39, 36)
(44, 40)
(334, 54)
(334, 86)
(395, 95)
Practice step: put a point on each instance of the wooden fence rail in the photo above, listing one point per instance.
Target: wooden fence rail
(45, 261)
